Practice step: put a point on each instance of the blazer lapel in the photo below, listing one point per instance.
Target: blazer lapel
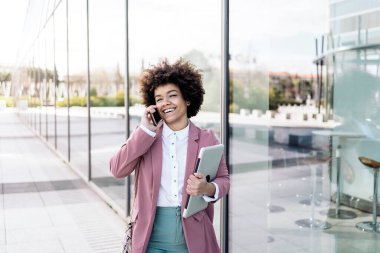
(192, 155)
(157, 165)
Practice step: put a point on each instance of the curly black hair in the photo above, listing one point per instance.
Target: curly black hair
(183, 74)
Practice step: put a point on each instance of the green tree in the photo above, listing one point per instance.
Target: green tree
(120, 98)
(5, 76)
(93, 92)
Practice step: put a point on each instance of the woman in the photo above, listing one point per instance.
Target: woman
(163, 157)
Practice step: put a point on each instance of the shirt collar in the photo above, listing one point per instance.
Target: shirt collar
(181, 134)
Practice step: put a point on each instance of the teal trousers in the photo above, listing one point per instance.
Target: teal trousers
(167, 234)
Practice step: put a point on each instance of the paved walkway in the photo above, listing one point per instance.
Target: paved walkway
(44, 205)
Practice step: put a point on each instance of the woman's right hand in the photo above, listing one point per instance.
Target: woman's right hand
(146, 120)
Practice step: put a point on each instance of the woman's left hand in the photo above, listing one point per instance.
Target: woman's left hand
(198, 185)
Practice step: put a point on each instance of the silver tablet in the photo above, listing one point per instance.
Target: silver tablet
(208, 164)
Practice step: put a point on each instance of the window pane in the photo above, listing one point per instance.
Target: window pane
(77, 18)
(50, 92)
(172, 31)
(356, 112)
(107, 70)
(60, 35)
(275, 165)
(40, 68)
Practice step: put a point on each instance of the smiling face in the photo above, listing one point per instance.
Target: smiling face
(171, 106)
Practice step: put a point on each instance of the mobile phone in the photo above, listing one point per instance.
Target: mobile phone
(155, 117)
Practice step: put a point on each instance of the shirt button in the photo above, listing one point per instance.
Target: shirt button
(172, 143)
(175, 180)
(175, 195)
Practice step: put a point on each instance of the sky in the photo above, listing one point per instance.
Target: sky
(278, 34)
(12, 15)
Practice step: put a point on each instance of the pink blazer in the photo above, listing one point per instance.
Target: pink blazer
(143, 154)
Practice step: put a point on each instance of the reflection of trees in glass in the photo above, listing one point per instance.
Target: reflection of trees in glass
(248, 90)
(100, 82)
(211, 79)
(5, 87)
(78, 85)
(118, 79)
(30, 85)
(107, 83)
(38, 74)
(5, 76)
(253, 90)
(107, 89)
(34, 78)
(5, 79)
(286, 88)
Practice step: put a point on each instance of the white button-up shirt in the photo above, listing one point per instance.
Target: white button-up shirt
(174, 155)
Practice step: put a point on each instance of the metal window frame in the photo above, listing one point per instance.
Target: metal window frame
(88, 92)
(68, 84)
(225, 125)
(126, 106)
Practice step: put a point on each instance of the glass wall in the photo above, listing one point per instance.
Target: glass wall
(77, 54)
(304, 104)
(356, 112)
(172, 32)
(61, 85)
(280, 177)
(107, 20)
(40, 85)
(45, 86)
(51, 89)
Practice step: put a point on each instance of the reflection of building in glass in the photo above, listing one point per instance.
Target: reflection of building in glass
(352, 64)
(354, 22)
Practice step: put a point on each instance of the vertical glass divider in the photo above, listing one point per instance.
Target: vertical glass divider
(126, 105)
(224, 243)
(68, 82)
(88, 92)
(55, 86)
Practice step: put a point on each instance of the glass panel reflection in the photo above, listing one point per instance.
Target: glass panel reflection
(174, 32)
(356, 111)
(77, 14)
(50, 86)
(280, 173)
(60, 40)
(40, 76)
(107, 72)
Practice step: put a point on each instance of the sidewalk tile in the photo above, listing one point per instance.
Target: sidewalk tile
(27, 218)
(44, 205)
(35, 234)
(22, 200)
(47, 246)
(60, 216)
